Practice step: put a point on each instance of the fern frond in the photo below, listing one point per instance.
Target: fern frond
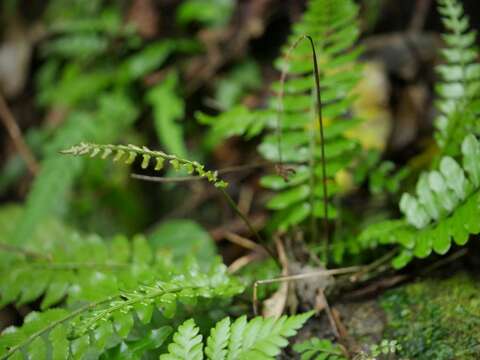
(80, 268)
(316, 348)
(460, 87)
(446, 208)
(259, 338)
(94, 326)
(129, 153)
(332, 25)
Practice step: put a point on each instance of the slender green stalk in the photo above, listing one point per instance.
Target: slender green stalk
(316, 73)
(322, 139)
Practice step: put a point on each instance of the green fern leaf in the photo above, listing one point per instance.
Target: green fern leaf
(90, 328)
(460, 87)
(333, 27)
(446, 209)
(259, 338)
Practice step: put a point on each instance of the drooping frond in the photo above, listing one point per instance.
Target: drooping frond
(107, 322)
(259, 338)
(459, 90)
(332, 25)
(446, 208)
(150, 158)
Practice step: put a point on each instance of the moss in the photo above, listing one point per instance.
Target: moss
(435, 319)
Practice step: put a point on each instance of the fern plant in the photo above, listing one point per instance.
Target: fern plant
(104, 323)
(333, 27)
(446, 208)
(460, 87)
(259, 338)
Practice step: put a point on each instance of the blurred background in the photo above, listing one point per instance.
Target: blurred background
(153, 72)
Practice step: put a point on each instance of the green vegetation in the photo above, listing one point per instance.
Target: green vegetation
(95, 266)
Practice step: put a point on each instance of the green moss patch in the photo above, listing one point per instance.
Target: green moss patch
(435, 319)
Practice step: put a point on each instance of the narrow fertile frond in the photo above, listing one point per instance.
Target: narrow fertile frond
(446, 208)
(129, 153)
(459, 90)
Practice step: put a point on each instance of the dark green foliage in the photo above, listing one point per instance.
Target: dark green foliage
(460, 87)
(435, 319)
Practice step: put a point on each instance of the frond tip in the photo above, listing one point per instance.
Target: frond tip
(129, 153)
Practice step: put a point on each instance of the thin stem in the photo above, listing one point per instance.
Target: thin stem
(76, 266)
(227, 170)
(316, 72)
(340, 271)
(16, 134)
(247, 222)
(322, 139)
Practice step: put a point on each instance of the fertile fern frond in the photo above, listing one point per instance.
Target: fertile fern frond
(332, 25)
(130, 152)
(316, 348)
(459, 91)
(446, 208)
(104, 323)
(259, 338)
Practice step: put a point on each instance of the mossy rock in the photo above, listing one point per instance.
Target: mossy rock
(435, 318)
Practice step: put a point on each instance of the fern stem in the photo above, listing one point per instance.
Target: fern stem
(247, 222)
(226, 170)
(53, 325)
(76, 266)
(282, 172)
(322, 140)
(132, 301)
